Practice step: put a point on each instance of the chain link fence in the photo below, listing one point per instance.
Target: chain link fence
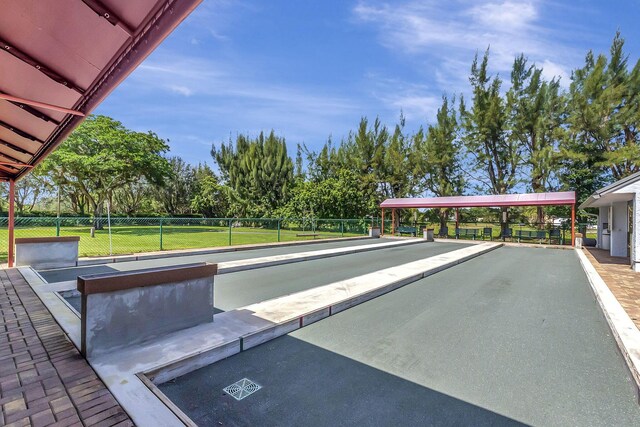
(119, 236)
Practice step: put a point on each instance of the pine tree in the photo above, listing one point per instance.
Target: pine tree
(495, 156)
(604, 117)
(439, 164)
(258, 172)
(536, 111)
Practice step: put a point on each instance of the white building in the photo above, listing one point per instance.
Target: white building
(619, 218)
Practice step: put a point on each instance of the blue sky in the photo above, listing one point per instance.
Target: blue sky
(310, 69)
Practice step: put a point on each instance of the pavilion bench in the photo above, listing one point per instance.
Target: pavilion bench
(314, 235)
(466, 232)
(487, 232)
(556, 234)
(407, 230)
(120, 309)
(507, 233)
(531, 234)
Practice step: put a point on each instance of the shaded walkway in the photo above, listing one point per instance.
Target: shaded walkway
(623, 282)
(43, 378)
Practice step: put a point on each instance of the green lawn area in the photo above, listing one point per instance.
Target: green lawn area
(135, 239)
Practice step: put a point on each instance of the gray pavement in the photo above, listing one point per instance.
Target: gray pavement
(513, 336)
(64, 274)
(243, 288)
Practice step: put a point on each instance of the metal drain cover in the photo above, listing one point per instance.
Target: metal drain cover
(241, 389)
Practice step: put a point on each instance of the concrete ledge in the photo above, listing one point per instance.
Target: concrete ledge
(119, 281)
(624, 331)
(47, 239)
(121, 309)
(185, 365)
(47, 252)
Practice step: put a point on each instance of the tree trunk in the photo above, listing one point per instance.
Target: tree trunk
(537, 187)
(443, 214)
(98, 222)
(540, 217)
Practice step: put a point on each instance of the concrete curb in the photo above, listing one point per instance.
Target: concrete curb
(624, 331)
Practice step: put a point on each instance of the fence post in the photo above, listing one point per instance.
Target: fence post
(58, 227)
(342, 228)
(161, 234)
(230, 232)
(279, 219)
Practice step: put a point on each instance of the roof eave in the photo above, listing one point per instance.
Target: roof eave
(159, 26)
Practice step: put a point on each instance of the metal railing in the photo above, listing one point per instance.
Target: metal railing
(118, 236)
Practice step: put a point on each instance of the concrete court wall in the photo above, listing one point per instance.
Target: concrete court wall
(47, 252)
(121, 316)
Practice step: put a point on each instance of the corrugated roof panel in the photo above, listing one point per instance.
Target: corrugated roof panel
(69, 54)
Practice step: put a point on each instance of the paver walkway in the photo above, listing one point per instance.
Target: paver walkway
(43, 378)
(623, 282)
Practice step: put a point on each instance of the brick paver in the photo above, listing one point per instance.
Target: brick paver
(623, 282)
(43, 378)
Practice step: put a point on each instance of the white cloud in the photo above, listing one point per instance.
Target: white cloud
(416, 101)
(205, 77)
(182, 90)
(511, 15)
(552, 70)
(448, 36)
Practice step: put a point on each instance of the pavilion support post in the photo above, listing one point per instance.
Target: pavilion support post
(393, 221)
(12, 199)
(382, 224)
(573, 225)
(457, 218)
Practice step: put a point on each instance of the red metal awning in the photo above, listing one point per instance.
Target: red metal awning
(495, 201)
(60, 59)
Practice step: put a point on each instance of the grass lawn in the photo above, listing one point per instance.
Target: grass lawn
(135, 239)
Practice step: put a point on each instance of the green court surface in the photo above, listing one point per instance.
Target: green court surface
(239, 289)
(248, 287)
(511, 337)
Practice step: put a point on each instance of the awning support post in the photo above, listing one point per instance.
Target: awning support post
(573, 225)
(12, 198)
(382, 225)
(393, 221)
